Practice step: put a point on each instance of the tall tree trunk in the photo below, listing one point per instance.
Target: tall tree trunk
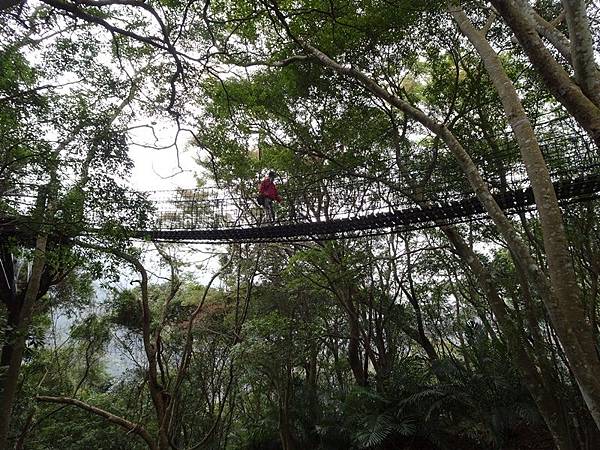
(157, 392)
(345, 294)
(311, 383)
(555, 37)
(286, 429)
(419, 334)
(582, 49)
(19, 336)
(571, 95)
(564, 301)
(503, 225)
(11, 301)
(286, 435)
(354, 357)
(540, 389)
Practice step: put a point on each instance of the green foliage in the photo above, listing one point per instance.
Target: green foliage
(280, 350)
(126, 310)
(93, 329)
(376, 429)
(84, 430)
(371, 420)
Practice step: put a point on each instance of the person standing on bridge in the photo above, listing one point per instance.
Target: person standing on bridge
(267, 193)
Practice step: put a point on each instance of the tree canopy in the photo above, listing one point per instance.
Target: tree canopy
(474, 336)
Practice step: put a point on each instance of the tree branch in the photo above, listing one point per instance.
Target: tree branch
(557, 79)
(131, 427)
(162, 44)
(84, 15)
(281, 63)
(555, 37)
(582, 48)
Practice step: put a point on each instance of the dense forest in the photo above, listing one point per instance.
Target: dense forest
(481, 334)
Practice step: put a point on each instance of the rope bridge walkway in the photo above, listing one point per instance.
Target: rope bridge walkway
(398, 195)
(362, 222)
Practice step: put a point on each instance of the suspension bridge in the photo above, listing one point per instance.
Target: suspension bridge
(397, 196)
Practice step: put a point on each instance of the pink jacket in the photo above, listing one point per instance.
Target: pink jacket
(268, 189)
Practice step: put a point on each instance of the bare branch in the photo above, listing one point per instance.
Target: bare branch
(489, 22)
(117, 420)
(21, 94)
(280, 63)
(84, 15)
(555, 37)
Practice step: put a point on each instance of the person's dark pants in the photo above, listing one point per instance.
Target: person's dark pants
(269, 211)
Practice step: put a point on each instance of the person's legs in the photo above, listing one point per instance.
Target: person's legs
(268, 207)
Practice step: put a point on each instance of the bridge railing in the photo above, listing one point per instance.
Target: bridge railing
(325, 198)
(350, 196)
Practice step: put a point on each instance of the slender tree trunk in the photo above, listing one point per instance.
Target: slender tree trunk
(582, 49)
(286, 432)
(555, 37)
(311, 383)
(9, 387)
(20, 443)
(543, 396)
(557, 79)
(158, 394)
(419, 334)
(564, 301)
(354, 357)
(11, 301)
(150, 347)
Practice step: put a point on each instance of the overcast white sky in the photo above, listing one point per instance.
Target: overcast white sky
(154, 169)
(160, 169)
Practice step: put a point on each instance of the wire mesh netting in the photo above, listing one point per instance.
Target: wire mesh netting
(416, 191)
(353, 196)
